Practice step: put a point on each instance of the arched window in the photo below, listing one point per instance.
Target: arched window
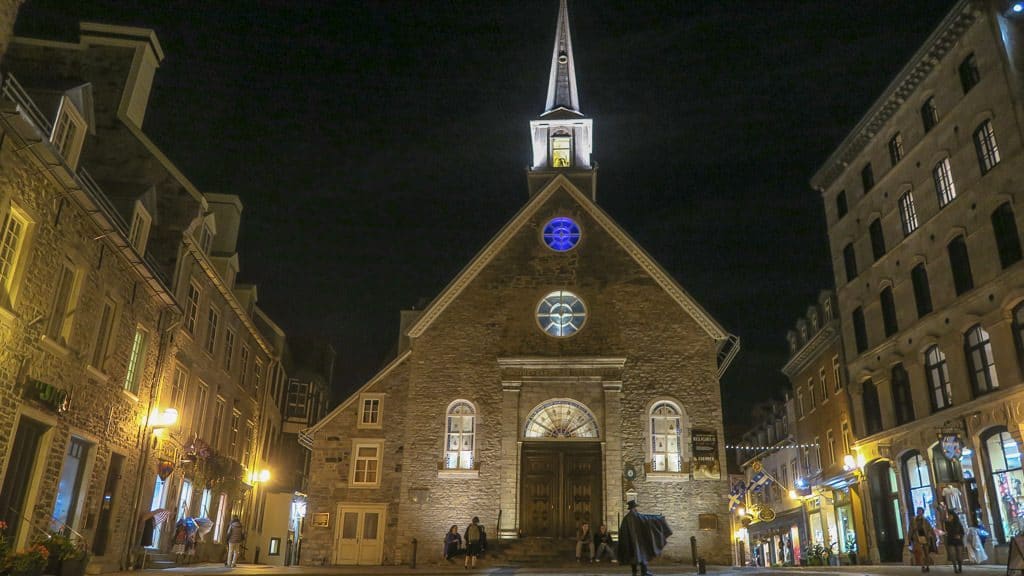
(939, 389)
(919, 485)
(901, 398)
(978, 349)
(1004, 465)
(872, 409)
(667, 446)
(560, 418)
(460, 436)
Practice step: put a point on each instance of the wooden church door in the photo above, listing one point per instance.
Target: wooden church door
(561, 488)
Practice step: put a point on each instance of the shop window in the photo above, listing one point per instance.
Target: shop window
(918, 482)
(275, 547)
(1003, 456)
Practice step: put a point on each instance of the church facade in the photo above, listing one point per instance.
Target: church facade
(561, 373)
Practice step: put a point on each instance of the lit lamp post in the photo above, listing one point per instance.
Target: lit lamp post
(152, 427)
(855, 464)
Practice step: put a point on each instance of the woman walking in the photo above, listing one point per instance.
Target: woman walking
(955, 541)
(922, 539)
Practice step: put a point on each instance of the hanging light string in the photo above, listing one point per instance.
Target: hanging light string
(762, 448)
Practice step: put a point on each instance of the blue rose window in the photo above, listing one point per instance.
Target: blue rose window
(561, 314)
(561, 234)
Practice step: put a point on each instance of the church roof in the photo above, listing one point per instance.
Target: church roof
(463, 279)
(562, 83)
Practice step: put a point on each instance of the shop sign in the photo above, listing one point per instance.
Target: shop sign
(56, 399)
(952, 446)
(705, 455)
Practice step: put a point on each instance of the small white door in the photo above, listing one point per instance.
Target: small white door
(360, 539)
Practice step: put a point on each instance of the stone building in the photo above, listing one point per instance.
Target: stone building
(923, 222)
(824, 472)
(534, 393)
(211, 363)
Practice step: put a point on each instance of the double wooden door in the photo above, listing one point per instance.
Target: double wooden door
(561, 488)
(360, 534)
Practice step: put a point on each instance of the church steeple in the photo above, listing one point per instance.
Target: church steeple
(562, 135)
(562, 84)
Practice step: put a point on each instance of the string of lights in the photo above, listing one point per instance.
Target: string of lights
(760, 448)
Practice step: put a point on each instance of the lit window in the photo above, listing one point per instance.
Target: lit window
(908, 213)
(460, 433)
(136, 361)
(941, 391)
(919, 485)
(212, 319)
(12, 239)
(561, 314)
(942, 174)
(369, 412)
(102, 342)
(178, 385)
(192, 308)
(666, 438)
(560, 419)
(896, 148)
(980, 362)
(58, 326)
(366, 463)
(138, 235)
(1003, 455)
(561, 151)
(561, 234)
(986, 147)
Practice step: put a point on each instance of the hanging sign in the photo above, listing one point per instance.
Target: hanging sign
(705, 455)
(952, 446)
(56, 399)
(164, 468)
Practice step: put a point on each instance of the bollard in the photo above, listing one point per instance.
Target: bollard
(702, 567)
(693, 549)
(256, 559)
(412, 561)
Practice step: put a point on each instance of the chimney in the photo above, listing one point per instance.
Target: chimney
(146, 59)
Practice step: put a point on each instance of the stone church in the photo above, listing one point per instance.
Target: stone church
(533, 391)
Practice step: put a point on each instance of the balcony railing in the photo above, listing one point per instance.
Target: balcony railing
(13, 91)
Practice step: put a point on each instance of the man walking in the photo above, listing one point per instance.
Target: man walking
(235, 537)
(642, 537)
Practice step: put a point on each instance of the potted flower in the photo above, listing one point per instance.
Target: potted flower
(67, 556)
(29, 562)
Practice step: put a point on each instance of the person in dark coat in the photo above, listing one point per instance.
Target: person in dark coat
(955, 541)
(642, 537)
(452, 542)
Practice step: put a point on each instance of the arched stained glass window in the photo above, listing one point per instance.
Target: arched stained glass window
(460, 436)
(561, 234)
(561, 418)
(666, 438)
(561, 313)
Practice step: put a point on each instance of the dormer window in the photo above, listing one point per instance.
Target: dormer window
(561, 151)
(138, 235)
(68, 132)
(206, 239)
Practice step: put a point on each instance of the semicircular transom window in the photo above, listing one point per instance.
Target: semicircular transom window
(561, 313)
(561, 234)
(561, 419)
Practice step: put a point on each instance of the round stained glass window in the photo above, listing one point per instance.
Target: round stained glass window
(561, 314)
(561, 234)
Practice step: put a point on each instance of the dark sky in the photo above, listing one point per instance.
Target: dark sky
(377, 146)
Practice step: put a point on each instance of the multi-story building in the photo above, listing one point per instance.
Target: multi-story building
(823, 471)
(774, 525)
(921, 201)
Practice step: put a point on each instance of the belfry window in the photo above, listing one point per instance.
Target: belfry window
(561, 151)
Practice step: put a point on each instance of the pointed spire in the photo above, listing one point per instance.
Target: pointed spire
(562, 84)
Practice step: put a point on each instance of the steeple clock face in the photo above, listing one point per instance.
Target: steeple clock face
(561, 151)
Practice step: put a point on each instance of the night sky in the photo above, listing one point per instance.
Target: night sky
(377, 146)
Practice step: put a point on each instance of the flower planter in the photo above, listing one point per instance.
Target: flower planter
(73, 567)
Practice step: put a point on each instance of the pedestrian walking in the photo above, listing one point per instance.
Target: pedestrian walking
(921, 540)
(955, 541)
(235, 537)
(474, 540)
(642, 537)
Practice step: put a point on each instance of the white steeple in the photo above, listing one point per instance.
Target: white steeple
(562, 84)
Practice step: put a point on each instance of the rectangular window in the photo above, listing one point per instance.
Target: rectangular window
(199, 413)
(823, 384)
(138, 234)
(1004, 226)
(888, 303)
(12, 238)
(178, 386)
(896, 148)
(908, 213)
(867, 177)
(369, 413)
(836, 374)
(218, 423)
(102, 342)
(827, 305)
(68, 132)
(841, 207)
(847, 440)
(136, 362)
(243, 376)
(69, 487)
(877, 239)
(257, 374)
(810, 394)
(247, 442)
(298, 399)
(192, 308)
(960, 264)
(860, 331)
(561, 152)
(233, 444)
(986, 147)
(850, 262)
(366, 464)
(206, 238)
(942, 174)
(212, 319)
(929, 114)
(229, 348)
(800, 408)
(58, 326)
(816, 453)
(830, 442)
(922, 290)
(970, 75)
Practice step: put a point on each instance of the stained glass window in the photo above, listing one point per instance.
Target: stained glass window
(666, 438)
(561, 234)
(561, 313)
(460, 436)
(561, 419)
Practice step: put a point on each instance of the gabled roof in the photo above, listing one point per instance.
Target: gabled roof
(639, 255)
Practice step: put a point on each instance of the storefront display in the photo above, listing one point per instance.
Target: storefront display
(1006, 486)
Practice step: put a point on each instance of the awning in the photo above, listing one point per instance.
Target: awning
(782, 520)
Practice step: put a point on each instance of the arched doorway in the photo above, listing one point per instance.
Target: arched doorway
(561, 470)
(885, 506)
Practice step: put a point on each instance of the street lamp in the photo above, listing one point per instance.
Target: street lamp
(153, 424)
